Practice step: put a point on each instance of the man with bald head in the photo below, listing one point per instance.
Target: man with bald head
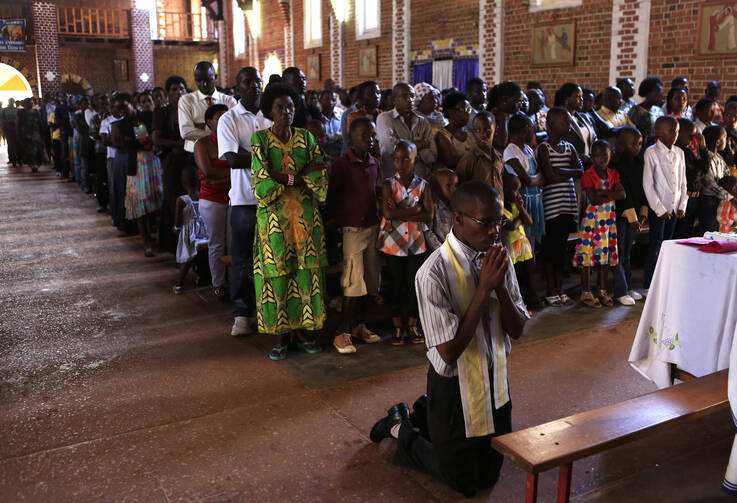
(470, 305)
(235, 129)
(403, 123)
(192, 106)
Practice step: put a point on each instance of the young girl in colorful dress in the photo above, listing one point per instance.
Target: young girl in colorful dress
(597, 235)
(407, 207)
(189, 224)
(520, 249)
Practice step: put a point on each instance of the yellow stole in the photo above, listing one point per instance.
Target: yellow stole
(473, 365)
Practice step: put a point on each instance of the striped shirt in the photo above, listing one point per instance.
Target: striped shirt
(439, 318)
(559, 198)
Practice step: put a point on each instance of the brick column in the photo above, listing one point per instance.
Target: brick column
(491, 32)
(629, 41)
(47, 47)
(224, 48)
(336, 49)
(400, 40)
(142, 48)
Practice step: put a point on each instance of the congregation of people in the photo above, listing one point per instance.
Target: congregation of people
(276, 183)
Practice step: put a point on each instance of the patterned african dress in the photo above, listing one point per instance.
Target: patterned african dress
(520, 249)
(597, 234)
(144, 192)
(289, 246)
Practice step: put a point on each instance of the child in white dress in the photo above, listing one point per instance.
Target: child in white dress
(189, 225)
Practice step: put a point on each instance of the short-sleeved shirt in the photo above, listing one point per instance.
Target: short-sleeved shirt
(235, 129)
(526, 158)
(591, 180)
(402, 238)
(191, 110)
(105, 128)
(352, 190)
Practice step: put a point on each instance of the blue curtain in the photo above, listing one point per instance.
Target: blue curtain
(463, 71)
(422, 73)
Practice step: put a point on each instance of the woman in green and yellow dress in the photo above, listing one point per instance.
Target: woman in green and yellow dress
(289, 179)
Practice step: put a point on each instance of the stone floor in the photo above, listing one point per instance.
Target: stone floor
(113, 389)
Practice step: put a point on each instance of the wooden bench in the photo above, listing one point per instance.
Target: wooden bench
(560, 443)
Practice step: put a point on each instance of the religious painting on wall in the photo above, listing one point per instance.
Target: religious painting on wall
(367, 65)
(553, 43)
(12, 34)
(717, 29)
(313, 67)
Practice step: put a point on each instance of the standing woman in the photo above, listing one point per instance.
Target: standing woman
(214, 201)
(453, 140)
(29, 135)
(676, 102)
(143, 185)
(289, 181)
(644, 115)
(582, 134)
(504, 100)
(169, 143)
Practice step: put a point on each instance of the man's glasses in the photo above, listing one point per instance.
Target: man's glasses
(487, 224)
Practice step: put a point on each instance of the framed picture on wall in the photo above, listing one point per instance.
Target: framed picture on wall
(553, 44)
(717, 29)
(313, 67)
(121, 69)
(367, 64)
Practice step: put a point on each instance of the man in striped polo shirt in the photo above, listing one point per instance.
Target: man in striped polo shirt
(470, 305)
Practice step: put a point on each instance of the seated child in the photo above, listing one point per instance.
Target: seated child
(443, 185)
(520, 250)
(727, 212)
(189, 224)
(406, 202)
(597, 235)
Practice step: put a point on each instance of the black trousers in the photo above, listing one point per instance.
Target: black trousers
(402, 271)
(465, 464)
(554, 246)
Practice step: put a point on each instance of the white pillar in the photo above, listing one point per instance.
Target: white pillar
(630, 40)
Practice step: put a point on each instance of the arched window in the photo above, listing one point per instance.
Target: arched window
(368, 19)
(313, 23)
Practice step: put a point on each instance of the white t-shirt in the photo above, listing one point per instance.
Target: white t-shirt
(235, 129)
(88, 114)
(105, 128)
(191, 110)
(522, 155)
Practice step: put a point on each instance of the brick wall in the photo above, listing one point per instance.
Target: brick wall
(673, 50)
(47, 47)
(592, 52)
(351, 48)
(438, 20)
(180, 61)
(96, 65)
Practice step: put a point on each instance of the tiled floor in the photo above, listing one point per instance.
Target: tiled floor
(113, 389)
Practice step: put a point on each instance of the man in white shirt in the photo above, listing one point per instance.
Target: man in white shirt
(192, 106)
(664, 183)
(403, 123)
(235, 129)
(704, 112)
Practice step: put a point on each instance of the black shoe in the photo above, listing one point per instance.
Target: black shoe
(399, 411)
(383, 428)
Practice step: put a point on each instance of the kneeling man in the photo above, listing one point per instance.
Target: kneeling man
(470, 305)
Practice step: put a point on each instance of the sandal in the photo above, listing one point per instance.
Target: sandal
(309, 347)
(278, 353)
(565, 300)
(553, 300)
(415, 337)
(221, 293)
(588, 299)
(177, 289)
(397, 339)
(605, 298)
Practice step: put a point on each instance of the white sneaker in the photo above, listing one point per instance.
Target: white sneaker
(635, 295)
(242, 326)
(626, 300)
